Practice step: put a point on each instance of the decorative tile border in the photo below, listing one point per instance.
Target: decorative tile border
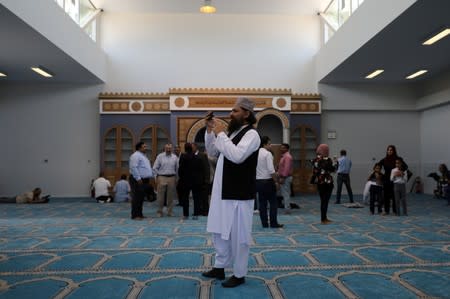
(203, 99)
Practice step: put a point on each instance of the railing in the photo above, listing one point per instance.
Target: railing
(336, 13)
(82, 12)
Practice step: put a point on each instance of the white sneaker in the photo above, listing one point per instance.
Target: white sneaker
(255, 211)
(109, 200)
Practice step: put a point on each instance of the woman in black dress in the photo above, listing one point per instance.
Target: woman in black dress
(322, 168)
(388, 163)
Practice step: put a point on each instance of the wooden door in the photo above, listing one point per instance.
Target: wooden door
(304, 141)
(156, 138)
(118, 145)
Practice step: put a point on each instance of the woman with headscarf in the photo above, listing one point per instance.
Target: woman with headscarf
(388, 163)
(322, 168)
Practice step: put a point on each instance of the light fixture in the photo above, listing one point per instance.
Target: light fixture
(437, 37)
(207, 7)
(3, 74)
(416, 74)
(374, 74)
(42, 71)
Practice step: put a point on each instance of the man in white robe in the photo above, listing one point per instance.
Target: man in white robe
(232, 200)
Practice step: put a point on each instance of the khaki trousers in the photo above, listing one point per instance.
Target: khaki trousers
(166, 188)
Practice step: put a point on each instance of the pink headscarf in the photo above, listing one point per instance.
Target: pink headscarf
(323, 150)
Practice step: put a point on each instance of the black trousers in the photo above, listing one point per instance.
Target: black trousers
(267, 193)
(184, 198)
(343, 178)
(325, 191)
(204, 205)
(376, 195)
(139, 192)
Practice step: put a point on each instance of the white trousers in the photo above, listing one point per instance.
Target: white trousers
(231, 253)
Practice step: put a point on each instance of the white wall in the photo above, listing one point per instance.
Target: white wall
(55, 122)
(152, 53)
(367, 97)
(434, 128)
(435, 142)
(147, 53)
(365, 135)
(156, 52)
(366, 120)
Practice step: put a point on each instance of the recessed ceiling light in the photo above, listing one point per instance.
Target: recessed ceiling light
(3, 74)
(437, 37)
(374, 74)
(42, 71)
(416, 74)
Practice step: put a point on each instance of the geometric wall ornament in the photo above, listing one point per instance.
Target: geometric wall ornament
(224, 102)
(306, 107)
(204, 99)
(134, 107)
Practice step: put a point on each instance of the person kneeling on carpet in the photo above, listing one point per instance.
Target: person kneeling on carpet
(31, 197)
(102, 188)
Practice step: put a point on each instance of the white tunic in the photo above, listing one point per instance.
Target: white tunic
(221, 212)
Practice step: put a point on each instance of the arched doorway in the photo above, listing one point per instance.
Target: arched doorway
(270, 125)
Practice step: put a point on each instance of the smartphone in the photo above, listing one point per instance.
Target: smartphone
(209, 115)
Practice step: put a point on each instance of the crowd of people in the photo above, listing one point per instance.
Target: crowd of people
(236, 171)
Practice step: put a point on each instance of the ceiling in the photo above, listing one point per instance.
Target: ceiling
(290, 7)
(23, 47)
(397, 48)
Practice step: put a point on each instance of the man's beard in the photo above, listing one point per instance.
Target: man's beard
(235, 124)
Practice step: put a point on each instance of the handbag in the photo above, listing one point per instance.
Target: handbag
(313, 179)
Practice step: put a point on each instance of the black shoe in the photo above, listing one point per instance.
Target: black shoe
(277, 225)
(233, 281)
(218, 273)
(294, 206)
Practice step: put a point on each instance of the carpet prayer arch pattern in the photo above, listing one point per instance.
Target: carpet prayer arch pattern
(76, 248)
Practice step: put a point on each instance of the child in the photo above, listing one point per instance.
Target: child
(376, 189)
(399, 177)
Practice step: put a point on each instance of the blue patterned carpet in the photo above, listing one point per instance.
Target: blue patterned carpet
(76, 248)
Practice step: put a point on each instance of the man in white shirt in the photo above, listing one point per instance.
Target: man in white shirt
(230, 214)
(101, 187)
(166, 168)
(140, 174)
(266, 185)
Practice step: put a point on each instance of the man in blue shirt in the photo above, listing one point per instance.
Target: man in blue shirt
(343, 176)
(140, 174)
